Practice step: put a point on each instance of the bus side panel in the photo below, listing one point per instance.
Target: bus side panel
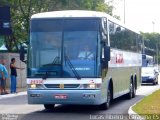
(122, 66)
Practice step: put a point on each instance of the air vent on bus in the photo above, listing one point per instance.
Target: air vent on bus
(64, 86)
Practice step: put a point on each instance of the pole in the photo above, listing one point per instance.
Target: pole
(143, 47)
(153, 25)
(157, 53)
(68, 4)
(124, 10)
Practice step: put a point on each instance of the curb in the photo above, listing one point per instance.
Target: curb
(133, 115)
(13, 95)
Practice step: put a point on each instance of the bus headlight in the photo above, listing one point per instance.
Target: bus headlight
(35, 86)
(90, 86)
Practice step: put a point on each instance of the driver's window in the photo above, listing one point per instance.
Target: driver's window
(86, 53)
(48, 56)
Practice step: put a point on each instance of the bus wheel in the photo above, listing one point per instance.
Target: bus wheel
(131, 89)
(106, 105)
(49, 106)
(134, 91)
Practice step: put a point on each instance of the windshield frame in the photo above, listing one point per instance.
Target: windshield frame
(62, 53)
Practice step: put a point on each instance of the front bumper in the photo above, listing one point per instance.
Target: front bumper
(79, 97)
(148, 80)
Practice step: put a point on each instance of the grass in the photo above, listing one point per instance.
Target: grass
(149, 107)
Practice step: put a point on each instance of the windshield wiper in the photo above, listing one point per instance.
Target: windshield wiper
(72, 68)
(56, 60)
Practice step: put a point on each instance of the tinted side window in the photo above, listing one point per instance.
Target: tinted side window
(122, 38)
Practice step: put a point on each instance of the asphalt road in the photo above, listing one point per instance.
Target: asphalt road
(17, 107)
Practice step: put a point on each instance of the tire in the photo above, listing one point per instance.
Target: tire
(134, 91)
(131, 89)
(106, 105)
(49, 106)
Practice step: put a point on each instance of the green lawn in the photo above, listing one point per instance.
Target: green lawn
(149, 106)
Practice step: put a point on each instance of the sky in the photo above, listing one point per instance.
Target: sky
(141, 15)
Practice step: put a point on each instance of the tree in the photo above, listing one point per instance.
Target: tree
(151, 39)
(151, 42)
(21, 10)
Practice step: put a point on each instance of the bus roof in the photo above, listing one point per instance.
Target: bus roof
(69, 13)
(77, 13)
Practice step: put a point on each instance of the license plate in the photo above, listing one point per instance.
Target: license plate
(60, 96)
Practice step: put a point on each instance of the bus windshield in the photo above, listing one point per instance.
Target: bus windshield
(59, 46)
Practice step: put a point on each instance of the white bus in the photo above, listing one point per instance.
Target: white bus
(55, 73)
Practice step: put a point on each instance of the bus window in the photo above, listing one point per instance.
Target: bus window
(122, 38)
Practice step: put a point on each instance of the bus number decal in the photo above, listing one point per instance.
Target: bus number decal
(36, 81)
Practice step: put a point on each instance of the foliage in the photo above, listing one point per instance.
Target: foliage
(151, 39)
(21, 10)
(1, 41)
(152, 42)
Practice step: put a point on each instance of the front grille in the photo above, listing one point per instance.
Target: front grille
(145, 78)
(58, 85)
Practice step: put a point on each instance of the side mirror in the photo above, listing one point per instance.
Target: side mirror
(105, 56)
(107, 53)
(22, 53)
